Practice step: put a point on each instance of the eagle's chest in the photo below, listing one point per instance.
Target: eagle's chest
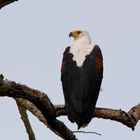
(79, 53)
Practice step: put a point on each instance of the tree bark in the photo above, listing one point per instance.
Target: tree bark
(25, 119)
(39, 104)
(5, 2)
(130, 118)
(41, 101)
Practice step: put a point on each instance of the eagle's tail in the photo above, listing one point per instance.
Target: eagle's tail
(82, 120)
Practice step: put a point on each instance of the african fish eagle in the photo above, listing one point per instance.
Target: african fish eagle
(81, 76)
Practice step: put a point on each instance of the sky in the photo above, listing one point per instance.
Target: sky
(34, 35)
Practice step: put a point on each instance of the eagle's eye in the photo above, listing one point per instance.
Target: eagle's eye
(78, 32)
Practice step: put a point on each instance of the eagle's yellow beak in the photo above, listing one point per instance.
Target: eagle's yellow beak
(74, 34)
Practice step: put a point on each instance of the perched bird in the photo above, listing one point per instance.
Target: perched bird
(81, 76)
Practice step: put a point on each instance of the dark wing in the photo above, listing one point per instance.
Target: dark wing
(92, 75)
(65, 60)
(69, 78)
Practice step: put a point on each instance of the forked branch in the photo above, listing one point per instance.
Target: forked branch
(39, 104)
(41, 101)
(25, 119)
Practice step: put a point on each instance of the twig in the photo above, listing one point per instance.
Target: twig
(87, 132)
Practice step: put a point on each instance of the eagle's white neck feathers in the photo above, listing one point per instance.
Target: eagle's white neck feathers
(81, 47)
(83, 39)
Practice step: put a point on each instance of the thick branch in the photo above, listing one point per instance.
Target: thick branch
(129, 119)
(40, 100)
(24, 117)
(6, 2)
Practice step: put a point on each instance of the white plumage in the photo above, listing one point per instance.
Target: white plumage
(81, 47)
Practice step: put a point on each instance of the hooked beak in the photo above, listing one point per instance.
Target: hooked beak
(70, 34)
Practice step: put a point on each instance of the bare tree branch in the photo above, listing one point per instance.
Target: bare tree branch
(24, 117)
(40, 100)
(6, 2)
(36, 112)
(38, 103)
(87, 132)
(129, 119)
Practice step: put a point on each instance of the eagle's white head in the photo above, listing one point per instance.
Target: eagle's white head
(80, 37)
(81, 47)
